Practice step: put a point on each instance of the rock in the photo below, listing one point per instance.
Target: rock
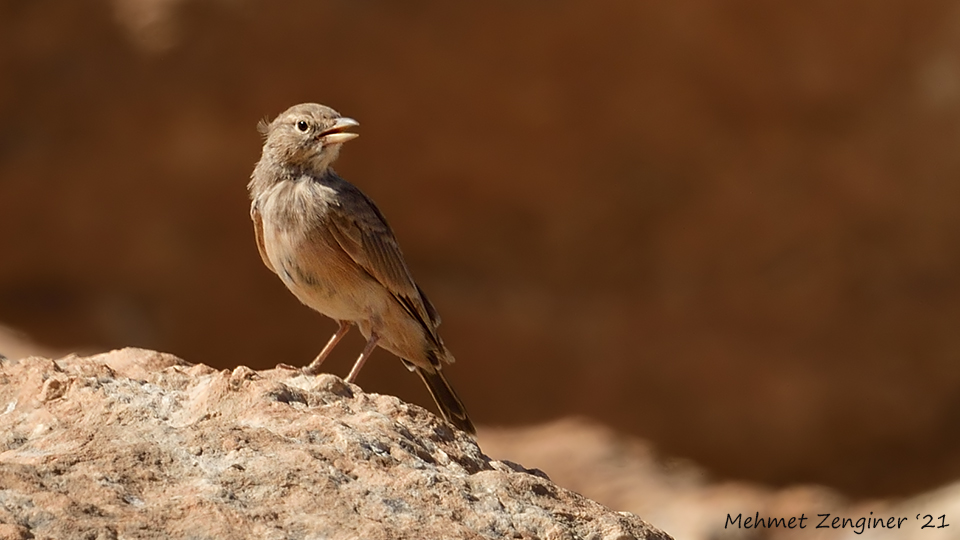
(625, 473)
(140, 444)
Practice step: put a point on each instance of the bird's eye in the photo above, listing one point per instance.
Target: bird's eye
(302, 125)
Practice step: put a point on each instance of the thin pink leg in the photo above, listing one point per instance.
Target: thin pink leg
(367, 351)
(314, 366)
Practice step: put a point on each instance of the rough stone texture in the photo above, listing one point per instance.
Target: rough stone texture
(140, 444)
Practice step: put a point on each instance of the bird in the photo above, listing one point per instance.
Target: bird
(333, 249)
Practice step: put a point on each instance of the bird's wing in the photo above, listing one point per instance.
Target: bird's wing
(431, 311)
(258, 231)
(362, 232)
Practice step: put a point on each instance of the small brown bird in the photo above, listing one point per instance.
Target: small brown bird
(333, 249)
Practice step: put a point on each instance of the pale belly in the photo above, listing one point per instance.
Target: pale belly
(322, 276)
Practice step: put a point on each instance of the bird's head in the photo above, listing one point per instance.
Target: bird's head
(307, 136)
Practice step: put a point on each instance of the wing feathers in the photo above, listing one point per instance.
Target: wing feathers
(258, 231)
(365, 236)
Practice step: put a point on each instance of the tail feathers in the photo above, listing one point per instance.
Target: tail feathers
(447, 400)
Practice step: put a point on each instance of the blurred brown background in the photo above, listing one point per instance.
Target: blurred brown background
(730, 229)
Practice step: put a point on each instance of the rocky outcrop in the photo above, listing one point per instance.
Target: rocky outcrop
(140, 444)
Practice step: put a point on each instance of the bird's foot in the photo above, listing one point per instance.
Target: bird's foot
(287, 367)
(311, 370)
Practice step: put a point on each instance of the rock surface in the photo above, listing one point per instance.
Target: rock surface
(140, 444)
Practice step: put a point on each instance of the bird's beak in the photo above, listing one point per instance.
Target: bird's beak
(335, 134)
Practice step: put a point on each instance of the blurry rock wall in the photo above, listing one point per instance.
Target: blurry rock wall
(731, 229)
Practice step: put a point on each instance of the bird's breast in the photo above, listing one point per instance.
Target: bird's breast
(308, 258)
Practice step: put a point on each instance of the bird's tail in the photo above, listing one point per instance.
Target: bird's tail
(447, 400)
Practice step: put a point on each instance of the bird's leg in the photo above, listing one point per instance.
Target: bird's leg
(314, 366)
(367, 351)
